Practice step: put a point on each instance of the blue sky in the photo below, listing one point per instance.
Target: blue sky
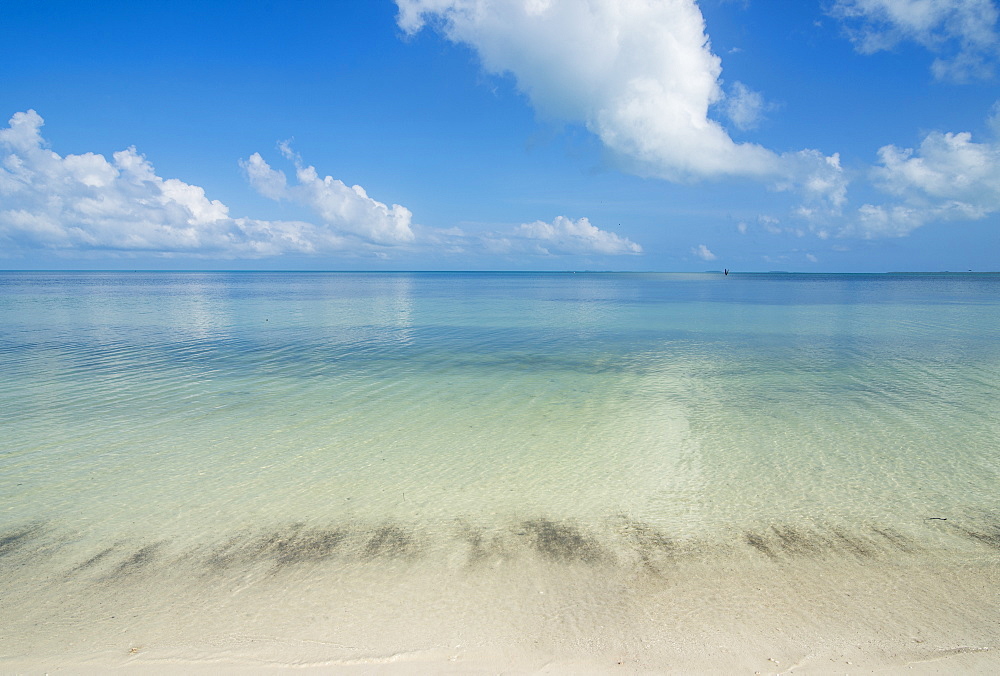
(835, 135)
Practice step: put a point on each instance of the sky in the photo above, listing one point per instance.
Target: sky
(646, 135)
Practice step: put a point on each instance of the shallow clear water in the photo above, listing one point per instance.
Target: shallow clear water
(248, 418)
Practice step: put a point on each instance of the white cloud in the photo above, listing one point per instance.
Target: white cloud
(770, 224)
(564, 235)
(962, 31)
(86, 202)
(639, 74)
(993, 121)
(950, 177)
(949, 166)
(122, 207)
(346, 209)
(265, 180)
(561, 237)
(703, 252)
(744, 106)
(886, 221)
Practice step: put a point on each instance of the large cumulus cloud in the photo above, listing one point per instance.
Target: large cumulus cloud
(640, 74)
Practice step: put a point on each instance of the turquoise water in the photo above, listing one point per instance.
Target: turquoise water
(241, 422)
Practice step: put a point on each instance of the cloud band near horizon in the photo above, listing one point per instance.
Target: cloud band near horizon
(87, 203)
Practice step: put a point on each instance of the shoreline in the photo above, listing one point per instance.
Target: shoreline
(965, 660)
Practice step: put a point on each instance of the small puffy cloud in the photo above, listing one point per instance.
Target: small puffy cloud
(744, 107)
(561, 237)
(265, 180)
(703, 252)
(993, 121)
(875, 221)
(818, 178)
(770, 224)
(87, 202)
(343, 208)
(640, 75)
(949, 177)
(898, 220)
(811, 258)
(947, 166)
(566, 236)
(963, 32)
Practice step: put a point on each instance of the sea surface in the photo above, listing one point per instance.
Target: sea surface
(293, 454)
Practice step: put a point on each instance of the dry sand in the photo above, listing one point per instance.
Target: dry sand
(699, 609)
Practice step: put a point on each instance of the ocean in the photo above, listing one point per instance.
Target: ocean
(359, 469)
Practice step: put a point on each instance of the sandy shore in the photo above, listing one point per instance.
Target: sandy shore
(718, 613)
(945, 662)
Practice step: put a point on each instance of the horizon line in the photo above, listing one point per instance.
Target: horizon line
(502, 271)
